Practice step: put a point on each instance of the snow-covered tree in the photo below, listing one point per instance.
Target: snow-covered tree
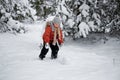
(96, 14)
(13, 12)
(81, 15)
(43, 7)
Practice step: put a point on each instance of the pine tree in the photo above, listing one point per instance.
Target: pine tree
(97, 15)
(12, 13)
(43, 8)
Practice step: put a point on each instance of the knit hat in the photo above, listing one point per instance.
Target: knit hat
(56, 20)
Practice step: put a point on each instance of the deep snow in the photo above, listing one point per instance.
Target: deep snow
(77, 60)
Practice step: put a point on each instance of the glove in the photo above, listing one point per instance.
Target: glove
(46, 45)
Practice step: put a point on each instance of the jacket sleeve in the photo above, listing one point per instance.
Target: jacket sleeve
(61, 37)
(46, 35)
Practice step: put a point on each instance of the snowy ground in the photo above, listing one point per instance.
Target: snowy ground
(77, 61)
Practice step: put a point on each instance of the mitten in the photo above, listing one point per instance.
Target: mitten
(46, 45)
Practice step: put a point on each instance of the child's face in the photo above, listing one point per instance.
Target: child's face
(56, 25)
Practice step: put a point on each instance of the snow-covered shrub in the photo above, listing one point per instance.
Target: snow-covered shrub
(97, 18)
(81, 22)
(114, 27)
(83, 29)
(92, 26)
(16, 26)
(43, 8)
(12, 13)
(84, 9)
(70, 23)
(3, 27)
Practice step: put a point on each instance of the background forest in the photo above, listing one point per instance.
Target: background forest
(80, 18)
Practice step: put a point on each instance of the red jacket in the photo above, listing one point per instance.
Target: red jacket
(49, 35)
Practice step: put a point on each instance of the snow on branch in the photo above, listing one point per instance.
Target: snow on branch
(83, 29)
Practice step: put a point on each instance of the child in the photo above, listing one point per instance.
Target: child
(52, 37)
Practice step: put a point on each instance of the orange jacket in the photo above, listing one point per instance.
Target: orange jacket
(49, 35)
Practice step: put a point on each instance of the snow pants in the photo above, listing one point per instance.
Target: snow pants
(54, 50)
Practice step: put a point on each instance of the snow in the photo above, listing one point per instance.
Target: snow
(97, 18)
(85, 13)
(3, 11)
(77, 61)
(92, 26)
(79, 18)
(105, 1)
(84, 7)
(21, 2)
(63, 8)
(7, 15)
(16, 25)
(84, 29)
(70, 22)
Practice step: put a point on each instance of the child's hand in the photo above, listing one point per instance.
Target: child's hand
(46, 45)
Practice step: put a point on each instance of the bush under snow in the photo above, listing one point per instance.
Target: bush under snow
(15, 26)
(83, 29)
